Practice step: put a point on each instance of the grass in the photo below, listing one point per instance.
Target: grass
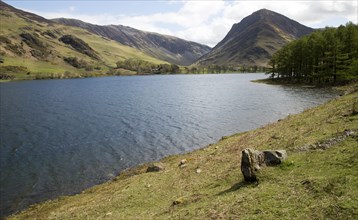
(37, 65)
(311, 184)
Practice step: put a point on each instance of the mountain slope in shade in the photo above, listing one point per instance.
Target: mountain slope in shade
(164, 47)
(254, 40)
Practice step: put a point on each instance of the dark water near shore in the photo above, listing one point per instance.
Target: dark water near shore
(59, 137)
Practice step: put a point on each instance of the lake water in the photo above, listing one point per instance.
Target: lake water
(59, 137)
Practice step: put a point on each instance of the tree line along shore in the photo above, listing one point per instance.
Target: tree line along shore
(325, 57)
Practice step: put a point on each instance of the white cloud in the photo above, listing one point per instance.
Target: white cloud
(208, 22)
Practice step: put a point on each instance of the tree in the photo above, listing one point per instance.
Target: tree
(325, 56)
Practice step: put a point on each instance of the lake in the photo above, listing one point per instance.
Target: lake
(59, 137)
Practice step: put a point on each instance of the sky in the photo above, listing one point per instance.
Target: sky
(202, 21)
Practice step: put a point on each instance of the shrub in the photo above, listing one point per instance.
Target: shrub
(79, 45)
(5, 40)
(75, 62)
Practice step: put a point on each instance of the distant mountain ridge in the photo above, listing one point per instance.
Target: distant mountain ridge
(25, 35)
(164, 47)
(33, 47)
(253, 40)
(24, 14)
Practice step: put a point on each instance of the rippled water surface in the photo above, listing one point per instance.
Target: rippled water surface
(59, 137)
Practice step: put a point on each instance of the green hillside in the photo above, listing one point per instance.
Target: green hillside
(318, 181)
(163, 47)
(30, 48)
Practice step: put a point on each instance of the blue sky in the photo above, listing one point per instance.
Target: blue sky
(204, 21)
(97, 7)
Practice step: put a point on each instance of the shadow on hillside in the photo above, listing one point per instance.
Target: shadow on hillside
(237, 186)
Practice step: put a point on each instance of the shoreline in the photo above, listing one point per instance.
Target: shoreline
(124, 75)
(225, 152)
(283, 82)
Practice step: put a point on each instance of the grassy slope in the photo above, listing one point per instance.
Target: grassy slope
(109, 50)
(312, 184)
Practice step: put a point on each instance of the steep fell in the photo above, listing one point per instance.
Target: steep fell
(171, 49)
(253, 40)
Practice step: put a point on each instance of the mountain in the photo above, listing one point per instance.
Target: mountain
(33, 47)
(22, 14)
(253, 40)
(171, 49)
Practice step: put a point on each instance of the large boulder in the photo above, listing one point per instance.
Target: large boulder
(274, 157)
(253, 160)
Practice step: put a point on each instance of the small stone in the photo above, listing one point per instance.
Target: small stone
(182, 166)
(178, 201)
(154, 167)
(182, 163)
(348, 133)
(198, 170)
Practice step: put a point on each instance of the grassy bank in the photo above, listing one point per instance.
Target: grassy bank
(318, 181)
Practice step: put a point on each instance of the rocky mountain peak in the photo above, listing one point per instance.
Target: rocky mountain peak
(254, 39)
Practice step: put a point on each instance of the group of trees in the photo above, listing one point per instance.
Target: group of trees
(143, 67)
(80, 63)
(214, 68)
(325, 56)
